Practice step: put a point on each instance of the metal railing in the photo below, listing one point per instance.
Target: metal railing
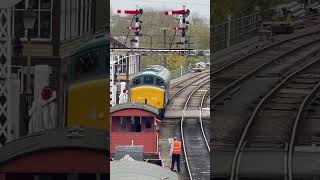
(235, 31)
(180, 72)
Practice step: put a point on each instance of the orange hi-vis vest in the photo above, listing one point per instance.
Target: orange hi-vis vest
(176, 147)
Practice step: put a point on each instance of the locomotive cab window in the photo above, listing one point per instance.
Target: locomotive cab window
(159, 82)
(136, 82)
(87, 64)
(148, 80)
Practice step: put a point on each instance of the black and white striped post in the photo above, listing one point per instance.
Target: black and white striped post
(183, 24)
(137, 27)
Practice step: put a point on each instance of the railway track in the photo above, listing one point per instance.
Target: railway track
(230, 75)
(194, 136)
(171, 127)
(187, 77)
(303, 26)
(231, 80)
(275, 119)
(268, 73)
(181, 85)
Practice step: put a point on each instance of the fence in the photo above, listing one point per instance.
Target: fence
(180, 72)
(155, 41)
(234, 31)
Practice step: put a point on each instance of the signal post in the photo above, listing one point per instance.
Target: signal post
(137, 27)
(183, 24)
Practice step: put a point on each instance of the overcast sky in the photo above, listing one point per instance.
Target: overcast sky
(202, 7)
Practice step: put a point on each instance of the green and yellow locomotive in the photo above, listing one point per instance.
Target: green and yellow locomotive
(151, 86)
(87, 90)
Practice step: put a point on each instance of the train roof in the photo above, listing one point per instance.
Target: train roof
(93, 139)
(126, 169)
(156, 70)
(97, 40)
(134, 105)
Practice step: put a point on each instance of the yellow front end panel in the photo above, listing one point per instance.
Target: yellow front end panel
(149, 95)
(88, 104)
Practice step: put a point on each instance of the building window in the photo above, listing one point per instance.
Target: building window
(148, 121)
(133, 65)
(42, 27)
(84, 15)
(76, 18)
(123, 123)
(135, 124)
(68, 15)
(63, 20)
(122, 66)
(89, 15)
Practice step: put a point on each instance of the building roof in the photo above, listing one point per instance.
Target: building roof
(135, 152)
(134, 105)
(94, 139)
(130, 170)
(116, 42)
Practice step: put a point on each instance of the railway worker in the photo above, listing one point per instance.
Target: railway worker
(176, 151)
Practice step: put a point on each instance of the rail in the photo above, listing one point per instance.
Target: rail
(244, 133)
(181, 126)
(187, 85)
(261, 66)
(200, 119)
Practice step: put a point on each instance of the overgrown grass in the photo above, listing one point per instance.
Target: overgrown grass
(237, 8)
(173, 62)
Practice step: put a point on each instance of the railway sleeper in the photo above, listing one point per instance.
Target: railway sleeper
(279, 107)
(301, 86)
(270, 145)
(294, 91)
(286, 100)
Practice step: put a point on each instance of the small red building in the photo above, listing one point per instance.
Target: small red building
(57, 154)
(134, 124)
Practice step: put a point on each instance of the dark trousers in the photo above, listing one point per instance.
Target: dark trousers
(175, 158)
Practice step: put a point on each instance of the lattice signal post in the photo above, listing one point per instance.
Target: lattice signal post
(137, 28)
(5, 63)
(183, 24)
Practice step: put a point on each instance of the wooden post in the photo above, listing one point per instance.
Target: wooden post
(164, 46)
(229, 31)
(28, 90)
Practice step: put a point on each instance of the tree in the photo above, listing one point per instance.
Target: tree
(175, 61)
(222, 8)
(200, 32)
(153, 22)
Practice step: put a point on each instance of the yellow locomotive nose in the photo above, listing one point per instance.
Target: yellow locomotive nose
(87, 102)
(148, 95)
